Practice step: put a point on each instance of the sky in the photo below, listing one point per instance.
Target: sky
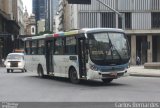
(28, 5)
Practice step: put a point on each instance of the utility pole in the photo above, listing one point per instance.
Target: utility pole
(122, 16)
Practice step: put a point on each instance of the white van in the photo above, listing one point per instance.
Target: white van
(15, 61)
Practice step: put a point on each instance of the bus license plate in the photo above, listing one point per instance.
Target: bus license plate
(113, 74)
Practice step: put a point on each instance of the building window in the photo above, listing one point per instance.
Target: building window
(70, 45)
(58, 49)
(108, 19)
(32, 30)
(155, 19)
(128, 21)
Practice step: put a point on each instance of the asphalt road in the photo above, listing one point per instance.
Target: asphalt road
(27, 87)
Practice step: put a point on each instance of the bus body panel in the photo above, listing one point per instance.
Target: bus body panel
(32, 62)
(62, 65)
(99, 72)
(88, 63)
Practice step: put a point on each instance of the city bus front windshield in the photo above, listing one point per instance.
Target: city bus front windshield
(108, 48)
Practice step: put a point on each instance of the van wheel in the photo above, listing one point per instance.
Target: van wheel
(40, 71)
(73, 76)
(12, 70)
(8, 70)
(107, 80)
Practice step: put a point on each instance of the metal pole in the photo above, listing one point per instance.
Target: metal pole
(123, 21)
(120, 14)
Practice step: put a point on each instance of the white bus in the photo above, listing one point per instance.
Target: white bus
(91, 53)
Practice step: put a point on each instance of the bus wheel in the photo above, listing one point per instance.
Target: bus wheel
(22, 70)
(8, 70)
(73, 76)
(11, 70)
(107, 80)
(40, 71)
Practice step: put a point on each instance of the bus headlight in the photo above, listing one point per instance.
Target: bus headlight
(8, 64)
(93, 67)
(20, 64)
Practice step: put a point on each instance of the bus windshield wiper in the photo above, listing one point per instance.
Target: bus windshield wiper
(113, 47)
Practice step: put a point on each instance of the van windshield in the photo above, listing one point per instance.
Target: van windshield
(15, 57)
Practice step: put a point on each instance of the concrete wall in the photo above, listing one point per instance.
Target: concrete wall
(158, 49)
(133, 49)
(41, 26)
(149, 58)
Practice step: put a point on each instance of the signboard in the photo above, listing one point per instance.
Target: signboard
(79, 1)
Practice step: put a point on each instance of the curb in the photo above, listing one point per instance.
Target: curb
(143, 75)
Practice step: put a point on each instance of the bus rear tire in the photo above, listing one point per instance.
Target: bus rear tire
(73, 76)
(11, 70)
(107, 80)
(40, 71)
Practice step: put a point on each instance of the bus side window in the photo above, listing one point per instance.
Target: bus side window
(28, 47)
(34, 47)
(58, 46)
(41, 50)
(70, 46)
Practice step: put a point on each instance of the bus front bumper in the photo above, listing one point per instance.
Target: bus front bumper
(101, 75)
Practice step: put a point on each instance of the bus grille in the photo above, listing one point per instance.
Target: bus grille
(14, 64)
(112, 76)
(112, 70)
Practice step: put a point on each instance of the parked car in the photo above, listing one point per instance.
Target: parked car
(15, 61)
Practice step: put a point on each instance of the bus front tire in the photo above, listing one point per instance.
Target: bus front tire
(40, 71)
(8, 70)
(23, 70)
(107, 80)
(73, 76)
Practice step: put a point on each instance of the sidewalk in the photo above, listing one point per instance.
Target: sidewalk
(140, 71)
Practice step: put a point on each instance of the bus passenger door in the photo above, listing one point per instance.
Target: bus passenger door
(82, 59)
(49, 57)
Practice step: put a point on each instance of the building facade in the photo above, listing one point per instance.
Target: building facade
(61, 15)
(9, 28)
(51, 10)
(38, 8)
(56, 23)
(142, 23)
(41, 26)
(30, 24)
(45, 9)
(20, 15)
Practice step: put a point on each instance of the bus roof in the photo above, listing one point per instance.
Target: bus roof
(38, 37)
(73, 32)
(93, 30)
(87, 30)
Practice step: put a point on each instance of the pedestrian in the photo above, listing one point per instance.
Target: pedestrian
(138, 61)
